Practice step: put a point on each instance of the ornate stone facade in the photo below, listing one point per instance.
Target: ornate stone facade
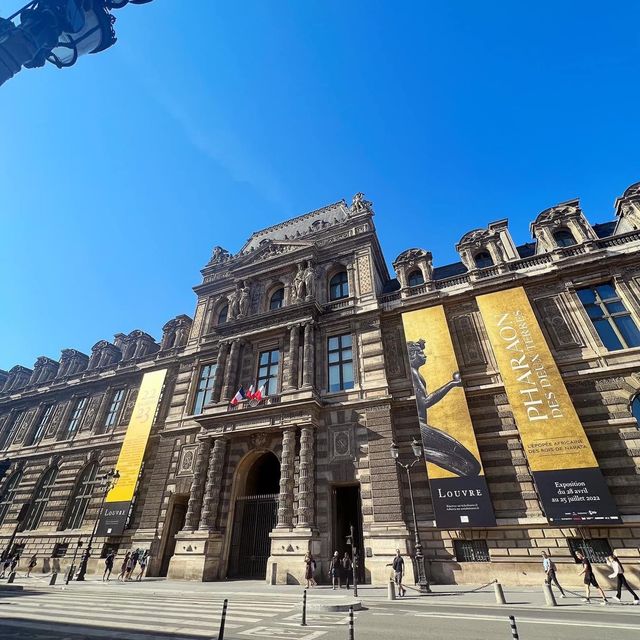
(307, 312)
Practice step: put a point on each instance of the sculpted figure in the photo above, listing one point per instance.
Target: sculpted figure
(439, 447)
(298, 284)
(233, 300)
(243, 303)
(309, 277)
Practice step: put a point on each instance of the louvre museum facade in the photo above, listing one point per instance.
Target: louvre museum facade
(261, 426)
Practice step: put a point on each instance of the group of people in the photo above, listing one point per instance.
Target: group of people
(340, 570)
(589, 578)
(131, 560)
(10, 564)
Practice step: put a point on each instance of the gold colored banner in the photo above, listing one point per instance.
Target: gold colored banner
(135, 440)
(551, 432)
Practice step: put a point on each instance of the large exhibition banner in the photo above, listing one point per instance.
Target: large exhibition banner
(570, 484)
(458, 486)
(119, 499)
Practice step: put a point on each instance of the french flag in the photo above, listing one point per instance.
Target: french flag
(239, 397)
(258, 394)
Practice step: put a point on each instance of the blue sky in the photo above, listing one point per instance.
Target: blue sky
(210, 119)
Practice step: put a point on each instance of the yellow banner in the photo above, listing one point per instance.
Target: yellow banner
(135, 440)
(551, 432)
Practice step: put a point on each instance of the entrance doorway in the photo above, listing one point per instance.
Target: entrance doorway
(255, 515)
(347, 512)
(175, 521)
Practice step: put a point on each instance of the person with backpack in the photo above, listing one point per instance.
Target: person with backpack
(549, 567)
(589, 579)
(618, 574)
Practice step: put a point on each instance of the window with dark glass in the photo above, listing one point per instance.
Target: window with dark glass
(205, 387)
(268, 366)
(76, 418)
(610, 317)
(40, 430)
(8, 494)
(594, 549)
(340, 355)
(114, 408)
(416, 278)
(277, 299)
(471, 550)
(339, 286)
(81, 497)
(223, 314)
(13, 427)
(564, 237)
(483, 259)
(40, 500)
(635, 408)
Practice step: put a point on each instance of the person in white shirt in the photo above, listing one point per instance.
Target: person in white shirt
(550, 571)
(618, 573)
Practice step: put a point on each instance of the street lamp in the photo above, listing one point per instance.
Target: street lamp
(106, 483)
(422, 579)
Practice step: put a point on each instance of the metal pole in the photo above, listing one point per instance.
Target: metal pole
(304, 609)
(222, 619)
(351, 633)
(72, 568)
(514, 629)
(354, 561)
(423, 580)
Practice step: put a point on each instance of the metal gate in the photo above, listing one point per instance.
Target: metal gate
(254, 518)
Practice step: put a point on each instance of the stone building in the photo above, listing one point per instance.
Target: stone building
(307, 313)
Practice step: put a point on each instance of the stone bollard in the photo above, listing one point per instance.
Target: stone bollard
(304, 609)
(497, 587)
(12, 577)
(54, 577)
(549, 596)
(391, 590)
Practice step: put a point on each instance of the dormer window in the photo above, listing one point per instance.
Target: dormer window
(222, 316)
(483, 259)
(339, 286)
(415, 278)
(277, 299)
(564, 237)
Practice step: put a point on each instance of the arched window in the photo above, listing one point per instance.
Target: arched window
(81, 497)
(40, 500)
(222, 315)
(8, 494)
(564, 237)
(277, 299)
(635, 410)
(483, 259)
(339, 286)
(416, 278)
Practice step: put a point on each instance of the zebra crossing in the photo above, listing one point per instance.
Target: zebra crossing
(124, 612)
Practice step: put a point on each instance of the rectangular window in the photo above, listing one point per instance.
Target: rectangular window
(594, 550)
(610, 317)
(268, 367)
(42, 425)
(340, 355)
(114, 408)
(471, 550)
(76, 418)
(205, 388)
(13, 427)
(60, 550)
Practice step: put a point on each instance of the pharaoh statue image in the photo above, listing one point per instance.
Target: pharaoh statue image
(439, 448)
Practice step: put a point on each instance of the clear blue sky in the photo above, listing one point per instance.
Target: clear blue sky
(210, 119)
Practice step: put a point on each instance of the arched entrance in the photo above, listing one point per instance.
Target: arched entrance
(255, 515)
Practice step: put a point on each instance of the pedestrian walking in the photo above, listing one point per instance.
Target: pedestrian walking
(589, 579)
(108, 565)
(618, 574)
(549, 567)
(124, 567)
(32, 563)
(133, 561)
(14, 562)
(398, 572)
(309, 568)
(5, 565)
(335, 570)
(144, 561)
(347, 568)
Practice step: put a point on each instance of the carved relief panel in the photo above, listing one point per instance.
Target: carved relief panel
(187, 460)
(556, 320)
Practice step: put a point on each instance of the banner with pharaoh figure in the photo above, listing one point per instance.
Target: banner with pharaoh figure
(456, 478)
(120, 497)
(570, 484)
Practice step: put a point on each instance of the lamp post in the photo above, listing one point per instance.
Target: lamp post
(106, 483)
(422, 579)
(72, 568)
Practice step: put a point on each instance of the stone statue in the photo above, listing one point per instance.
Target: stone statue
(233, 301)
(219, 255)
(243, 303)
(309, 276)
(359, 204)
(298, 284)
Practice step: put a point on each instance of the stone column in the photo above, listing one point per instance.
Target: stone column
(197, 486)
(306, 482)
(231, 371)
(218, 376)
(294, 346)
(213, 487)
(308, 364)
(285, 499)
